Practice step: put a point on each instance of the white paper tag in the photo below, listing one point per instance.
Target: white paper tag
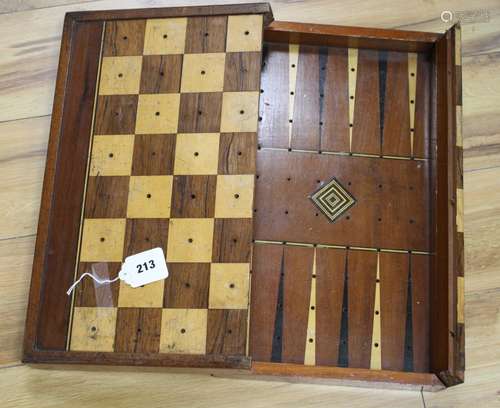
(144, 267)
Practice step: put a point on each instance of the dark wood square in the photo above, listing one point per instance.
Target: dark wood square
(89, 293)
(187, 286)
(153, 155)
(144, 234)
(232, 240)
(193, 196)
(242, 71)
(124, 37)
(226, 331)
(161, 73)
(138, 330)
(107, 197)
(206, 34)
(200, 112)
(115, 114)
(237, 153)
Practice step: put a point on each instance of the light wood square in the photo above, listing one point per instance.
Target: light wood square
(157, 113)
(150, 295)
(229, 283)
(149, 197)
(234, 196)
(196, 153)
(102, 240)
(203, 72)
(183, 331)
(190, 240)
(93, 329)
(112, 155)
(244, 33)
(165, 36)
(120, 75)
(239, 112)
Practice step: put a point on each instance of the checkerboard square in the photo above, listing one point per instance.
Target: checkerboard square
(203, 72)
(165, 36)
(200, 112)
(89, 293)
(157, 113)
(229, 284)
(227, 331)
(120, 75)
(112, 155)
(196, 153)
(190, 240)
(124, 37)
(93, 329)
(108, 196)
(153, 155)
(244, 33)
(143, 234)
(206, 34)
(138, 330)
(183, 331)
(232, 240)
(150, 295)
(239, 112)
(242, 72)
(234, 197)
(237, 153)
(193, 196)
(161, 74)
(187, 286)
(115, 115)
(102, 240)
(149, 197)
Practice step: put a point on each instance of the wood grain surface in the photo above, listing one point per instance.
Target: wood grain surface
(28, 72)
(285, 212)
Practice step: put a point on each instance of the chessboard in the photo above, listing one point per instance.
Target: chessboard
(170, 164)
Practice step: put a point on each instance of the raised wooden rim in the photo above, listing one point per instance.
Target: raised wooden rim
(345, 36)
(350, 376)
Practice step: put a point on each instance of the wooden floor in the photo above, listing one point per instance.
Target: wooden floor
(29, 45)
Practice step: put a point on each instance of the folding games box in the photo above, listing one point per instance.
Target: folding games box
(304, 182)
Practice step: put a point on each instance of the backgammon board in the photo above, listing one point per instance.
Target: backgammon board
(303, 181)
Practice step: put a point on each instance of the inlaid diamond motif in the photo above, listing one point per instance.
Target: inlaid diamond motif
(333, 199)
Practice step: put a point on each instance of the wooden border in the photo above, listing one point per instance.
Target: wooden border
(349, 376)
(447, 326)
(48, 188)
(137, 359)
(356, 37)
(189, 11)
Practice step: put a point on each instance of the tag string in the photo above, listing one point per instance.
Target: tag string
(100, 281)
